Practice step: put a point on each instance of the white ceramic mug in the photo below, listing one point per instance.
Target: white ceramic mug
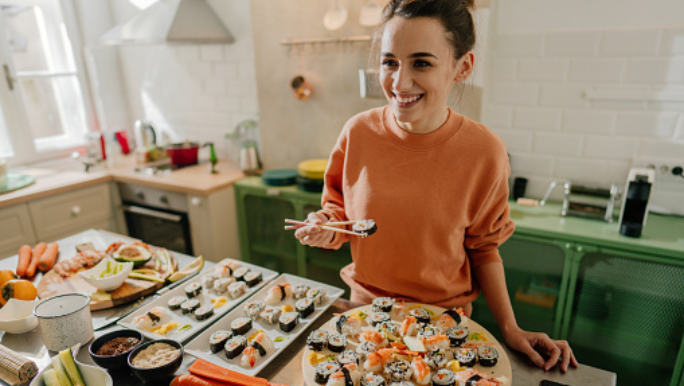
(64, 320)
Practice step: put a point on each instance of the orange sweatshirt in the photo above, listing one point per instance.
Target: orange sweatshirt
(439, 201)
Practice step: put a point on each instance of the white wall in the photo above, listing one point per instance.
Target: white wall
(546, 54)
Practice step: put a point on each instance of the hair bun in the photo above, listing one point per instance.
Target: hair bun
(469, 3)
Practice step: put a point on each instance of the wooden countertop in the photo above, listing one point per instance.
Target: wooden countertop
(66, 175)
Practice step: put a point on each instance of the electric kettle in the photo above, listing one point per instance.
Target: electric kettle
(145, 135)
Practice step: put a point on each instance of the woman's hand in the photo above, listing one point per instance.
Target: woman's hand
(534, 344)
(313, 235)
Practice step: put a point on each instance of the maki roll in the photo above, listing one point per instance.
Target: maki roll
(487, 356)
(337, 343)
(348, 376)
(263, 344)
(317, 340)
(449, 319)
(346, 356)
(347, 326)
(221, 285)
(237, 289)
(364, 349)
(398, 371)
(208, 281)
(176, 301)
(372, 379)
(421, 315)
(324, 370)
(305, 307)
(204, 312)
(288, 321)
(218, 340)
(253, 308)
(278, 293)
(427, 330)
(192, 290)
(241, 326)
(365, 227)
(253, 278)
(436, 342)
(317, 295)
(465, 356)
(457, 336)
(436, 359)
(270, 314)
(388, 326)
(235, 345)
(239, 274)
(376, 317)
(300, 291)
(382, 304)
(444, 377)
(190, 305)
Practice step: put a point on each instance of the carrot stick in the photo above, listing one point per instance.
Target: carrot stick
(37, 253)
(209, 370)
(25, 253)
(47, 260)
(192, 380)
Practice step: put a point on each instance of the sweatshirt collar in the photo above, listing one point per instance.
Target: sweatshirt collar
(430, 140)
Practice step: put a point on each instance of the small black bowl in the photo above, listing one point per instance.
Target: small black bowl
(159, 374)
(113, 361)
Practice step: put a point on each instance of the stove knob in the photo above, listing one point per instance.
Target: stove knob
(164, 200)
(140, 196)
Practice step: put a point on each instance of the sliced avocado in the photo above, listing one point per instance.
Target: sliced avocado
(132, 254)
(70, 367)
(60, 373)
(142, 276)
(50, 378)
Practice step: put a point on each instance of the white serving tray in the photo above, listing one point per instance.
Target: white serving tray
(204, 297)
(199, 347)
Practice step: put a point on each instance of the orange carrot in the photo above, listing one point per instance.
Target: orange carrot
(47, 260)
(209, 370)
(25, 253)
(191, 380)
(37, 253)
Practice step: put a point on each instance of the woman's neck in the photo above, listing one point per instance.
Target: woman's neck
(425, 127)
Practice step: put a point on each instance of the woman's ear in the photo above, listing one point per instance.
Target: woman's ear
(464, 67)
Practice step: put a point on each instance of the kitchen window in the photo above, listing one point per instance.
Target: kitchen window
(43, 102)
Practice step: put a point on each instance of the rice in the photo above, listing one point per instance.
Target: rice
(156, 355)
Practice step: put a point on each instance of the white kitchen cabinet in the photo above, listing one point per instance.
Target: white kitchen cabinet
(213, 223)
(15, 229)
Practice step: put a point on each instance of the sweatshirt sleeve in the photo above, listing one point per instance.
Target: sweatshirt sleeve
(332, 199)
(492, 225)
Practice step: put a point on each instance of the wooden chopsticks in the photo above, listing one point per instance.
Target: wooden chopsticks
(330, 226)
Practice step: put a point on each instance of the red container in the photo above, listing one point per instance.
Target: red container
(183, 154)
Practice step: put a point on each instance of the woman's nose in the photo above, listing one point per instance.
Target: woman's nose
(402, 79)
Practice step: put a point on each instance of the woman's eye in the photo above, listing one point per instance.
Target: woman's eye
(422, 63)
(389, 63)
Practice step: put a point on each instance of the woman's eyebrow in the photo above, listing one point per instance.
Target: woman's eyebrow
(415, 55)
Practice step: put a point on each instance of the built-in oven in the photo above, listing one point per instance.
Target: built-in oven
(157, 217)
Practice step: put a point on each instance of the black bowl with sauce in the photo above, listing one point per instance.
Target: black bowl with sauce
(161, 374)
(115, 361)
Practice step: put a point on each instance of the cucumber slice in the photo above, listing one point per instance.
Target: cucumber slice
(60, 373)
(70, 366)
(145, 277)
(50, 378)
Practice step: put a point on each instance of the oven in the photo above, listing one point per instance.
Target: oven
(157, 217)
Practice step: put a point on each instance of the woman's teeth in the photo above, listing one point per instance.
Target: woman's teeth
(408, 99)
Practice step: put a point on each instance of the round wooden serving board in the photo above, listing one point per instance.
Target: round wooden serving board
(502, 368)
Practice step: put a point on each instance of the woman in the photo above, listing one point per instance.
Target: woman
(434, 181)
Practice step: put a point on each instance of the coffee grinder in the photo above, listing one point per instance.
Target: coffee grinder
(635, 202)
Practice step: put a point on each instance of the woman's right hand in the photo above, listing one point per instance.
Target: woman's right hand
(312, 235)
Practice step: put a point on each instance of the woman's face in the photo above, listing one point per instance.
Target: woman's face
(417, 71)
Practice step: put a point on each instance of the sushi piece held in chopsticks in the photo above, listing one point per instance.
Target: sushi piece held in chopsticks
(365, 227)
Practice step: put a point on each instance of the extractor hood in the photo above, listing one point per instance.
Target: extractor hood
(171, 21)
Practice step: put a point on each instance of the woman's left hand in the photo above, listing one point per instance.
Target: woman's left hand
(533, 344)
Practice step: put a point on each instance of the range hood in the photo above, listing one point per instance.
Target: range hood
(171, 21)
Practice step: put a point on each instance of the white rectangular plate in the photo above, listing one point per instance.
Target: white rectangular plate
(199, 347)
(204, 297)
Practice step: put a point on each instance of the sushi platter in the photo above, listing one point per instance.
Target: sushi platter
(376, 345)
(188, 309)
(270, 320)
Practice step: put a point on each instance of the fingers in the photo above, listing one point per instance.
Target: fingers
(553, 350)
(528, 350)
(568, 355)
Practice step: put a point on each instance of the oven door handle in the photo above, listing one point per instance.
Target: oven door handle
(152, 213)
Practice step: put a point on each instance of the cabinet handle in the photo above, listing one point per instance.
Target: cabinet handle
(75, 211)
(580, 249)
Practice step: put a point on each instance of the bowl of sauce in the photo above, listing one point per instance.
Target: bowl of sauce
(156, 361)
(111, 350)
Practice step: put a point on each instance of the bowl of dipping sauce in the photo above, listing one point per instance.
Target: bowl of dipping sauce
(111, 350)
(156, 361)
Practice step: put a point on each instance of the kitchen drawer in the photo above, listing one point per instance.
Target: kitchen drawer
(16, 229)
(70, 212)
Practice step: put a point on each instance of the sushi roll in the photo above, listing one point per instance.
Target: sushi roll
(253, 278)
(317, 340)
(305, 307)
(253, 308)
(337, 343)
(317, 295)
(436, 342)
(369, 334)
(235, 345)
(221, 284)
(204, 312)
(270, 314)
(250, 357)
(192, 290)
(176, 301)
(217, 340)
(382, 304)
(300, 291)
(372, 379)
(346, 356)
(465, 356)
(376, 317)
(190, 305)
(457, 336)
(224, 270)
(288, 321)
(237, 289)
(150, 319)
(444, 377)
(241, 326)
(405, 383)
(449, 319)
(487, 356)
(398, 371)
(239, 274)
(208, 281)
(427, 331)
(436, 359)
(324, 370)
(409, 327)
(421, 315)
(347, 326)
(388, 326)
(278, 293)
(230, 264)
(365, 227)
(421, 370)
(263, 344)
(364, 349)
(349, 375)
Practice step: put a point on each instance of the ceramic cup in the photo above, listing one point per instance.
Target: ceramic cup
(64, 320)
